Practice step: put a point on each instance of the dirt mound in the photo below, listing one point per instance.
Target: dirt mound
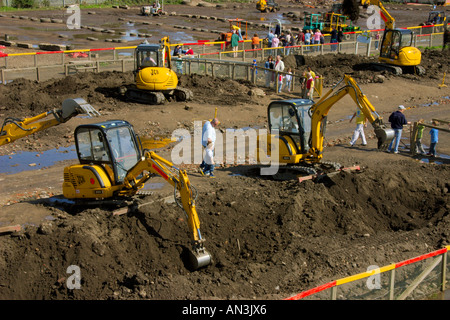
(333, 66)
(219, 91)
(289, 237)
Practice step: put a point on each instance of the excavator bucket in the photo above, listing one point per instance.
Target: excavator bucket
(199, 258)
(73, 107)
(384, 137)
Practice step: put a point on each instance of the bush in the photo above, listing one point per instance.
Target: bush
(23, 3)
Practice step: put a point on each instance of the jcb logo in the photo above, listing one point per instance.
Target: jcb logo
(80, 180)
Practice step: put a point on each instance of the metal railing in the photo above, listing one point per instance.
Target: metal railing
(413, 279)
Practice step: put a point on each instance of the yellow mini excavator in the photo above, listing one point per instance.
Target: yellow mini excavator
(397, 55)
(297, 126)
(155, 81)
(14, 128)
(267, 6)
(114, 166)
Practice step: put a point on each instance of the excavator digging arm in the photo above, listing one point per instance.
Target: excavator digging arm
(152, 164)
(14, 129)
(320, 110)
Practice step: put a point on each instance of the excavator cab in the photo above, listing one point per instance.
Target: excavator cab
(292, 120)
(290, 132)
(112, 145)
(396, 49)
(151, 55)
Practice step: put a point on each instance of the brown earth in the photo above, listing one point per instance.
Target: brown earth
(269, 239)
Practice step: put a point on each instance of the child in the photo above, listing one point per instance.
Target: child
(433, 139)
(288, 78)
(280, 82)
(179, 64)
(209, 160)
(420, 128)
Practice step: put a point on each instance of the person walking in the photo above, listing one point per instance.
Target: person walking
(434, 138)
(397, 120)
(208, 142)
(361, 123)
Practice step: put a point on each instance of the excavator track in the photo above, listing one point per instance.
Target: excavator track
(143, 96)
(182, 94)
(376, 66)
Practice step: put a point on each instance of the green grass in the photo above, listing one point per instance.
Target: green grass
(108, 4)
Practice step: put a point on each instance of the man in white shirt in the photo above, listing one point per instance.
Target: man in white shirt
(208, 141)
(279, 66)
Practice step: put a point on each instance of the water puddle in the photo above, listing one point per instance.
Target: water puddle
(24, 161)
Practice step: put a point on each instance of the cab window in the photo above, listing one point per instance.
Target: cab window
(91, 145)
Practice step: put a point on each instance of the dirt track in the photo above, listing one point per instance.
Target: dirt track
(269, 239)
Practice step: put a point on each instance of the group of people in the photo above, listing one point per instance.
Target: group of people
(310, 37)
(278, 38)
(282, 80)
(397, 120)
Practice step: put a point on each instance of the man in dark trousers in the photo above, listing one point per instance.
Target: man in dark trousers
(397, 120)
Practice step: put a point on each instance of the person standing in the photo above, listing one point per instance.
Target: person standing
(334, 39)
(420, 129)
(300, 37)
(269, 38)
(275, 44)
(361, 123)
(434, 138)
(208, 142)
(397, 120)
(254, 70)
(288, 79)
(234, 43)
(279, 66)
(377, 40)
(269, 64)
(179, 64)
(255, 44)
(317, 36)
(309, 86)
(307, 38)
(340, 35)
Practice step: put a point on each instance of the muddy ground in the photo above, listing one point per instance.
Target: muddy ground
(269, 239)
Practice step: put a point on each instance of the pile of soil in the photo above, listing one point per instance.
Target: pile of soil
(270, 241)
(333, 66)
